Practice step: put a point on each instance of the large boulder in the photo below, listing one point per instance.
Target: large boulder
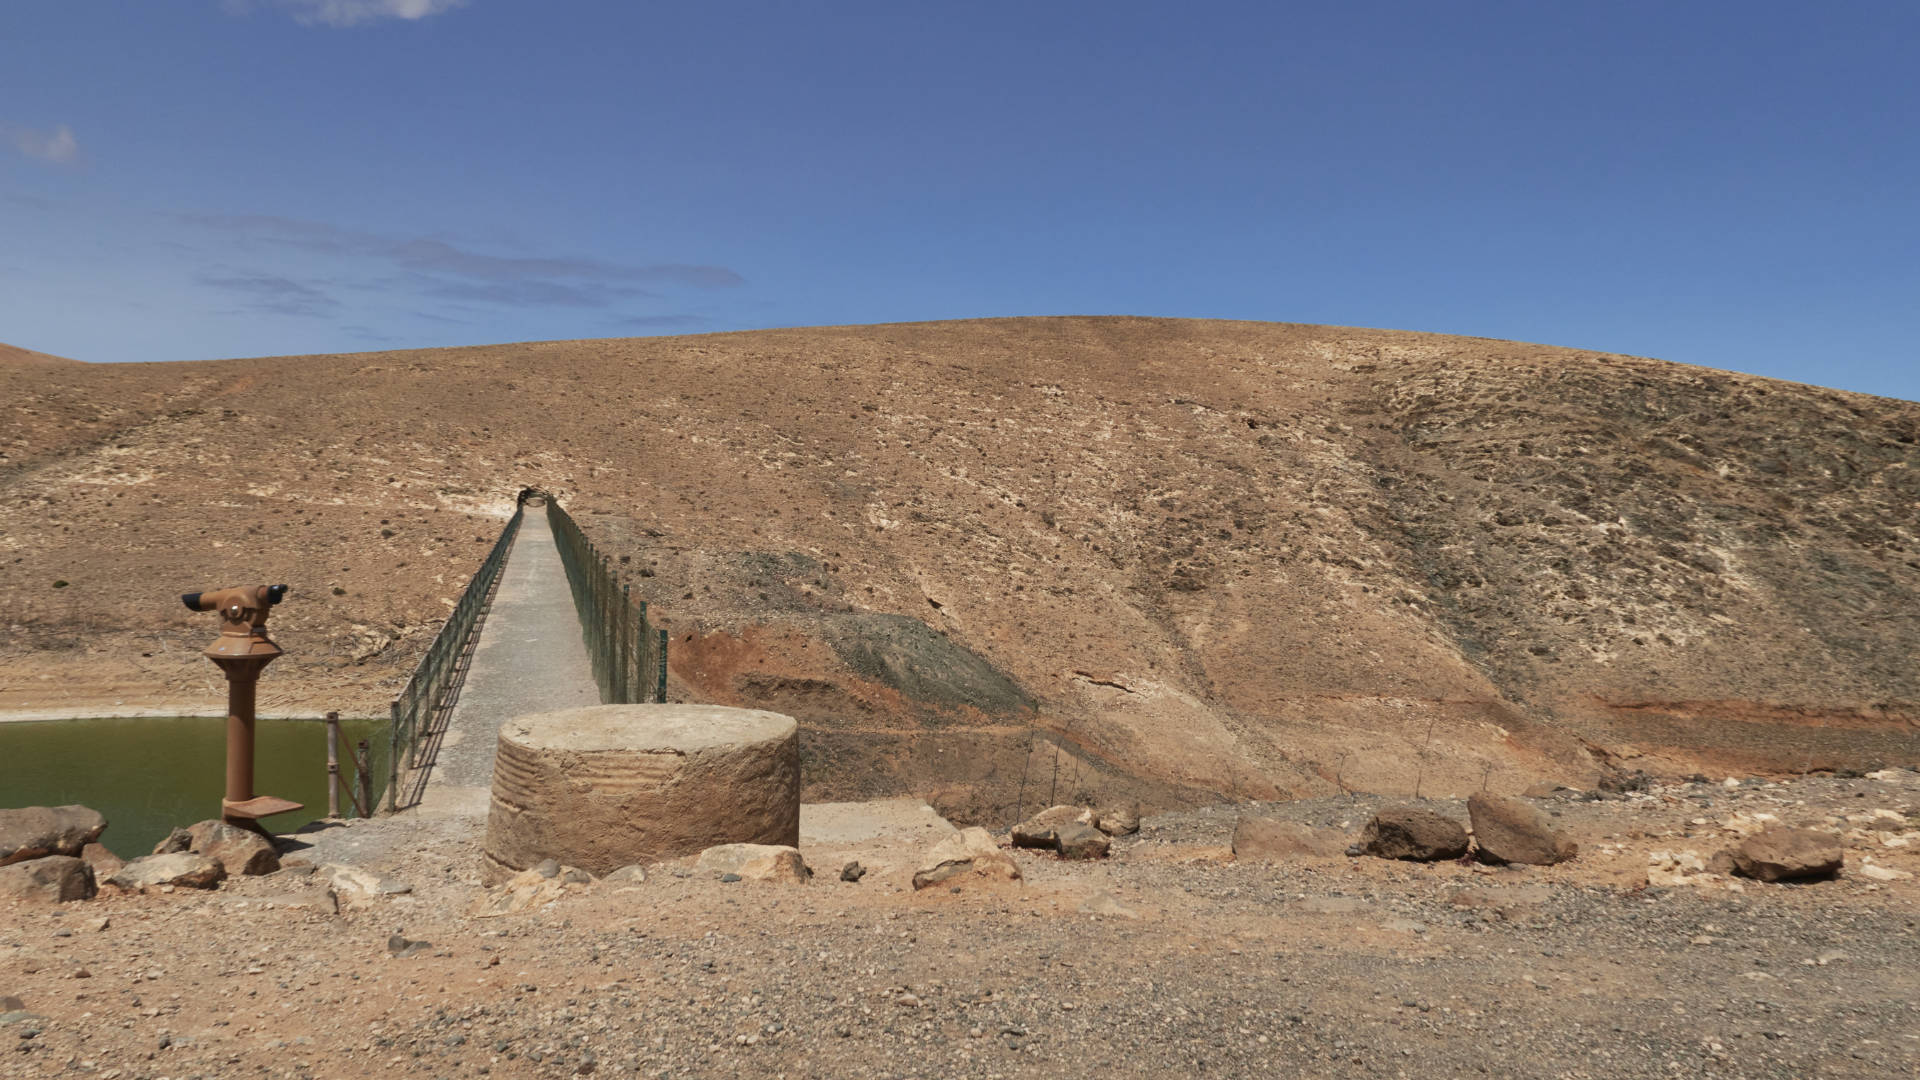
(1257, 839)
(53, 879)
(968, 855)
(1783, 854)
(756, 862)
(181, 869)
(33, 832)
(241, 852)
(1408, 832)
(1511, 830)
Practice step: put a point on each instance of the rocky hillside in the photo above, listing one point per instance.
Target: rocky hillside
(1188, 557)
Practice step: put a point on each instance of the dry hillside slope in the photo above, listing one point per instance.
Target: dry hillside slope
(976, 558)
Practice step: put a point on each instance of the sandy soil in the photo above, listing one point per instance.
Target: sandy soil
(1169, 958)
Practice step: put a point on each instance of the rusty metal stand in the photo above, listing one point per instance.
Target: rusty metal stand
(241, 651)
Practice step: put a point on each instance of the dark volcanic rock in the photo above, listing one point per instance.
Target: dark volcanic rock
(1408, 832)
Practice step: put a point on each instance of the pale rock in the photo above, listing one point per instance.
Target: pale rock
(355, 884)
(181, 869)
(756, 862)
(967, 856)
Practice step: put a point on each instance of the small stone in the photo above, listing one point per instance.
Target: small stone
(548, 868)
(177, 841)
(573, 875)
(631, 874)
(853, 871)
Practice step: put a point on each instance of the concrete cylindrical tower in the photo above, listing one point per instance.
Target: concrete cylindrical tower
(609, 785)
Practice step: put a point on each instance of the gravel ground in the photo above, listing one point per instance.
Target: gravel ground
(1168, 958)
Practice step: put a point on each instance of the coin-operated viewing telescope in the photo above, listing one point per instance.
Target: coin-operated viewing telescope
(241, 650)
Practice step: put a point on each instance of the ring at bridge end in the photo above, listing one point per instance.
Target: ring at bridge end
(606, 786)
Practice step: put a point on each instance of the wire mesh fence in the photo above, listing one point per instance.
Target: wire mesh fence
(419, 712)
(628, 652)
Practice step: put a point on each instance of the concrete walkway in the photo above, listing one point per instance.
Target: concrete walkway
(530, 659)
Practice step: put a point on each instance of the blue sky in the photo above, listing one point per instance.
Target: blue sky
(1736, 185)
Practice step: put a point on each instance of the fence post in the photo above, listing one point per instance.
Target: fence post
(660, 691)
(393, 764)
(363, 767)
(333, 764)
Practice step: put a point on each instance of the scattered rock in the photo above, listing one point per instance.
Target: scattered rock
(1080, 840)
(1783, 854)
(177, 841)
(969, 854)
(400, 948)
(1875, 872)
(53, 879)
(1513, 830)
(524, 891)
(182, 869)
(105, 863)
(547, 868)
(11, 1004)
(1408, 832)
(242, 852)
(573, 875)
(1120, 819)
(1271, 840)
(1722, 863)
(1042, 830)
(34, 832)
(853, 871)
(631, 874)
(756, 862)
(1335, 905)
(356, 884)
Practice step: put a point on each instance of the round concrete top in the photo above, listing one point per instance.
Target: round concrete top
(658, 729)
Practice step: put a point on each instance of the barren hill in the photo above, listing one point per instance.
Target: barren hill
(13, 354)
(1201, 557)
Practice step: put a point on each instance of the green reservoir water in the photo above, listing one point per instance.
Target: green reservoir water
(150, 774)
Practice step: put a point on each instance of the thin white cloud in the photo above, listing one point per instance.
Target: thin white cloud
(349, 12)
(58, 146)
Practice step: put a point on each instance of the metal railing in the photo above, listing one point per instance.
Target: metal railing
(629, 653)
(420, 711)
